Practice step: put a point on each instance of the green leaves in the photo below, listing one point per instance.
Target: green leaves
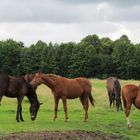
(91, 57)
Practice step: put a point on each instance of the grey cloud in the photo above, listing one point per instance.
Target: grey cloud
(119, 3)
(45, 11)
(69, 11)
(129, 14)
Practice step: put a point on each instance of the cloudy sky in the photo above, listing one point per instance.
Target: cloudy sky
(68, 20)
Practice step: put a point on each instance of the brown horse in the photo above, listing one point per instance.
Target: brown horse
(130, 95)
(65, 88)
(29, 77)
(17, 87)
(114, 92)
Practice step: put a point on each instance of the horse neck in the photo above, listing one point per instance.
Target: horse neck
(50, 81)
(32, 97)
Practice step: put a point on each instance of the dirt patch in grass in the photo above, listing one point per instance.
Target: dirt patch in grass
(59, 135)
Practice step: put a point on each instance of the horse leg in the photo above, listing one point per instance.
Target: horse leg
(56, 100)
(117, 104)
(121, 105)
(21, 118)
(65, 108)
(85, 104)
(86, 109)
(113, 99)
(19, 109)
(110, 98)
(127, 112)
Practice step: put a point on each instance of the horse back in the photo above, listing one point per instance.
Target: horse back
(84, 83)
(130, 91)
(111, 84)
(17, 86)
(4, 83)
(72, 88)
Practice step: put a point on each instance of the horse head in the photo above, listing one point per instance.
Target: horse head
(34, 109)
(37, 80)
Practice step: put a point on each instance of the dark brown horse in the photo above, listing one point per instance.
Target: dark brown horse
(130, 95)
(17, 87)
(114, 92)
(65, 88)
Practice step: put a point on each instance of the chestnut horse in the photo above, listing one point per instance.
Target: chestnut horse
(114, 92)
(17, 87)
(130, 95)
(65, 88)
(29, 77)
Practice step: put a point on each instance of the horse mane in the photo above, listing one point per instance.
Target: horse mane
(50, 78)
(53, 75)
(31, 93)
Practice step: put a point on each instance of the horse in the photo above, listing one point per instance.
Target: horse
(17, 87)
(114, 92)
(29, 77)
(130, 95)
(64, 88)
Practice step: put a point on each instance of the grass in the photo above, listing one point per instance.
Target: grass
(101, 118)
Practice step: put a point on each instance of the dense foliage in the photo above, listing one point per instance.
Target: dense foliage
(91, 57)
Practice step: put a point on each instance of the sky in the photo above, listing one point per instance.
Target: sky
(68, 20)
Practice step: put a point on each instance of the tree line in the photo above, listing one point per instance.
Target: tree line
(91, 57)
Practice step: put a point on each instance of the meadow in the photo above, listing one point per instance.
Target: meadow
(102, 118)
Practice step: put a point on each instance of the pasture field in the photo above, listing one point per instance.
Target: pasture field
(101, 118)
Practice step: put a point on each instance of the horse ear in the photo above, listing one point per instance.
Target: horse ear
(40, 103)
(39, 71)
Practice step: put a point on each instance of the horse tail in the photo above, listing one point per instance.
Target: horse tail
(117, 89)
(123, 98)
(117, 92)
(92, 101)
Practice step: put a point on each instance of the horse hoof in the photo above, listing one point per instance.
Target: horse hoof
(129, 126)
(85, 121)
(66, 120)
(54, 119)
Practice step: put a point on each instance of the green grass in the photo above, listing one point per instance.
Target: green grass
(101, 118)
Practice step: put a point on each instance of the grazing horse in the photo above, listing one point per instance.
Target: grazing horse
(114, 92)
(17, 87)
(130, 95)
(65, 88)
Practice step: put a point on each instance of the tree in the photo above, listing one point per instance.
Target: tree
(10, 53)
(121, 55)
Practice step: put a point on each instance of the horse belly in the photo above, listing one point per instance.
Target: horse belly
(11, 94)
(74, 92)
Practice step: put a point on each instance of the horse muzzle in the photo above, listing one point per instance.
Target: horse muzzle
(33, 118)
